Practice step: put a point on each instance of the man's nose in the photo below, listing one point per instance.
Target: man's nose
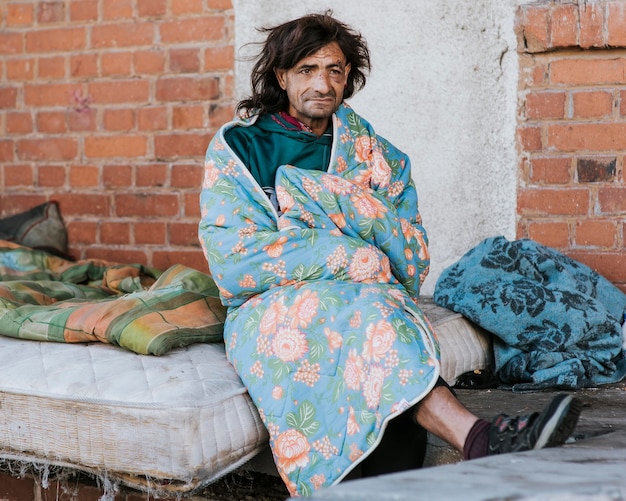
(322, 82)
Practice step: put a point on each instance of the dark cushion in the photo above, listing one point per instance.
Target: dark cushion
(39, 228)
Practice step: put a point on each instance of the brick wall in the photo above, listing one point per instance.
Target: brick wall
(572, 130)
(107, 107)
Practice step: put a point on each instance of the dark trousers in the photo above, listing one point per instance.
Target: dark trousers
(402, 447)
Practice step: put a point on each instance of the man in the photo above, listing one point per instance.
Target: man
(311, 229)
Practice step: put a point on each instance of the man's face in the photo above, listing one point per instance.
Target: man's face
(315, 85)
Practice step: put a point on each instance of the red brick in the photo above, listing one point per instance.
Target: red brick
(115, 233)
(8, 97)
(563, 26)
(115, 146)
(591, 137)
(187, 89)
(227, 88)
(53, 176)
(529, 138)
(20, 69)
(120, 9)
(184, 234)
(597, 169)
(149, 233)
(193, 259)
(539, 75)
(535, 27)
(82, 120)
(122, 35)
(18, 175)
(184, 60)
(584, 71)
(20, 203)
(80, 100)
(616, 20)
(622, 106)
(196, 29)
(51, 68)
(11, 43)
(219, 4)
(120, 91)
(182, 7)
(146, 205)
(114, 176)
(20, 14)
(84, 176)
(611, 265)
(47, 149)
(152, 175)
(192, 205)
(152, 8)
(612, 200)
(119, 120)
(84, 10)
(48, 94)
(592, 104)
(573, 201)
(6, 150)
(83, 65)
(50, 12)
(149, 61)
(551, 234)
(82, 232)
(187, 175)
(153, 118)
(19, 122)
(219, 114)
(597, 233)
(591, 25)
(56, 39)
(16, 489)
(181, 145)
(188, 117)
(83, 204)
(219, 58)
(551, 170)
(545, 105)
(116, 64)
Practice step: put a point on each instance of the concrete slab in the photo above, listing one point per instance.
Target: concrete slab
(567, 473)
(591, 467)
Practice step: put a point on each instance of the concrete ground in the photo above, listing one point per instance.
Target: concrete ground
(590, 467)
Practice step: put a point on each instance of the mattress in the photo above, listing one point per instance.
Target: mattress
(464, 346)
(173, 423)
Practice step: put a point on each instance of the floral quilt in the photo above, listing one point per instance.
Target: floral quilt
(323, 325)
(556, 321)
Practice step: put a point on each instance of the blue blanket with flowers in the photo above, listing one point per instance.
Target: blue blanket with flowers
(323, 326)
(556, 322)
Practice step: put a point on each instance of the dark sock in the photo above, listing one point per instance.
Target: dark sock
(477, 441)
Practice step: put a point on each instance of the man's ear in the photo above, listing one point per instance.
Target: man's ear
(280, 76)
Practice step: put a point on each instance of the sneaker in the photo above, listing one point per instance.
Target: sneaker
(550, 428)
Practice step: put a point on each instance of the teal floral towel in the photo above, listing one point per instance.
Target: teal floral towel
(556, 322)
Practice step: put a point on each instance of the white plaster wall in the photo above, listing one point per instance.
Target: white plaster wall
(443, 88)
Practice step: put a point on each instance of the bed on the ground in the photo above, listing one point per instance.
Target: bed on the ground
(119, 371)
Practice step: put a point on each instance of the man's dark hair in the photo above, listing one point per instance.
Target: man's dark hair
(289, 43)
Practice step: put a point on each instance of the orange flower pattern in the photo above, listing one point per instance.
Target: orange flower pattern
(323, 326)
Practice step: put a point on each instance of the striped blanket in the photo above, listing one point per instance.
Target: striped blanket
(47, 298)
